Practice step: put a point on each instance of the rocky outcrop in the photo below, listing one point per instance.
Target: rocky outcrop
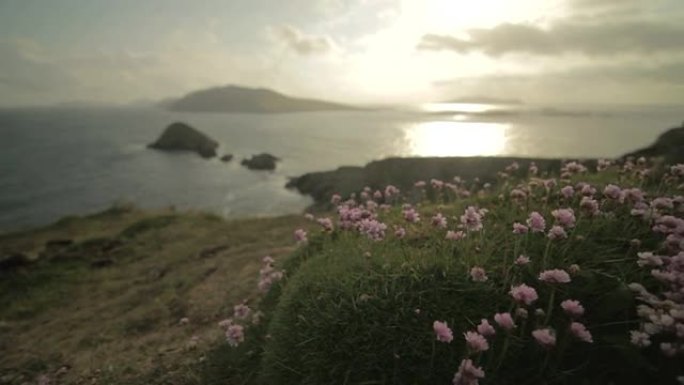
(226, 158)
(669, 146)
(261, 162)
(181, 137)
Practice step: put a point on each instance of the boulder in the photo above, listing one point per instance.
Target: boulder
(261, 162)
(227, 158)
(181, 137)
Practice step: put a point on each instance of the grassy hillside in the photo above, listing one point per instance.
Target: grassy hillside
(107, 308)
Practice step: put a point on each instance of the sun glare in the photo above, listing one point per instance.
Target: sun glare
(448, 138)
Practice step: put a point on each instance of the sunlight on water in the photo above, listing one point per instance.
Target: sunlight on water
(472, 108)
(445, 138)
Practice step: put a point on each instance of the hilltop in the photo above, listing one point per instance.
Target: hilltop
(233, 98)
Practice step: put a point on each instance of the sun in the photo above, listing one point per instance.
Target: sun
(454, 138)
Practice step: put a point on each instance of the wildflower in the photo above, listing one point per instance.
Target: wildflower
(455, 235)
(612, 192)
(567, 192)
(522, 260)
(648, 259)
(677, 170)
(587, 190)
(485, 328)
(564, 217)
(554, 276)
(572, 307)
(411, 215)
(662, 203)
(544, 337)
(436, 184)
(504, 320)
(519, 228)
(574, 269)
(309, 217)
(419, 184)
(518, 195)
(442, 331)
(326, 223)
(533, 169)
(521, 313)
(589, 206)
(336, 199)
(372, 229)
(241, 311)
(536, 222)
(478, 274)
(472, 218)
(602, 164)
(184, 321)
(549, 184)
(256, 317)
(557, 232)
(635, 243)
(235, 335)
(468, 374)
(640, 339)
(439, 221)
(300, 236)
(524, 294)
(399, 232)
(668, 349)
(391, 191)
(476, 341)
(224, 324)
(580, 331)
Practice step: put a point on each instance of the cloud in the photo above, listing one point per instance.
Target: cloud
(588, 38)
(300, 42)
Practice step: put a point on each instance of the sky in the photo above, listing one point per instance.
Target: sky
(359, 51)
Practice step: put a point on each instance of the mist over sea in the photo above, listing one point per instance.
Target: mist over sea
(65, 161)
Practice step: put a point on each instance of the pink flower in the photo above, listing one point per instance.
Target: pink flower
(476, 342)
(439, 221)
(300, 236)
(485, 328)
(372, 229)
(524, 294)
(400, 232)
(309, 216)
(391, 191)
(455, 235)
(640, 339)
(336, 199)
(519, 228)
(572, 307)
(564, 217)
(522, 260)
(590, 206)
(419, 184)
(544, 337)
(557, 232)
(235, 335)
(612, 192)
(468, 374)
(574, 269)
(567, 192)
(504, 320)
(411, 215)
(442, 331)
(478, 274)
(326, 223)
(224, 324)
(554, 276)
(536, 222)
(436, 184)
(472, 218)
(241, 311)
(581, 332)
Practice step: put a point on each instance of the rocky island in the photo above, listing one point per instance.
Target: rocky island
(182, 137)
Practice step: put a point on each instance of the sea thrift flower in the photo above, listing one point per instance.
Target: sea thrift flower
(436, 184)
(640, 339)
(455, 235)
(668, 349)
(442, 331)
(612, 192)
(648, 259)
(524, 294)
(377, 195)
(476, 342)
(400, 232)
(309, 217)
(521, 313)
(468, 374)
(485, 328)
(326, 223)
(391, 191)
(557, 232)
(472, 218)
(235, 335)
(300, 236)
(478, 274)
(536, 222)
(580, 331)
(411, 215)
(241, 311)
(554, 276)
(224, 324)
(522, 260)
(677, 170)
(587, 190)
(567, 192)
(544, 337)
(256, 317)
(336, 199)
(439, 221)
(372, 229)
(533, 169)
(572, 308)
(549, 184)
(419, 184)
(574, 269)
(519, 228)
(505, 321)
(602, 164)
(589, 206)
(662, 203)
(564, 217)
(518, 195)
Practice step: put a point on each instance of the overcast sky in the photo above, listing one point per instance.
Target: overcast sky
(369, 51)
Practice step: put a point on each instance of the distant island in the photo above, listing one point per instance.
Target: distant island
(253, 100)
(484, 100)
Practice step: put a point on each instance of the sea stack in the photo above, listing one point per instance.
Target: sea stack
(261, 162)
(182, 137)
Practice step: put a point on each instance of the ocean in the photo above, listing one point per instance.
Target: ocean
(71, 161)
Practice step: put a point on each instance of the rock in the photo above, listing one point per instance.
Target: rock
(101, 262)
(227, 158)
(12, 261)
(261, 162)
(669, 145)
(181, 137)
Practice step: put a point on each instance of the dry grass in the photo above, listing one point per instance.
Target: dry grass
(120, 323)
